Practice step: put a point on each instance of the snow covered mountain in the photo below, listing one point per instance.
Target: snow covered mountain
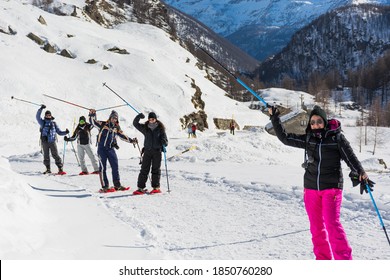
(260, 27)
(340, 41)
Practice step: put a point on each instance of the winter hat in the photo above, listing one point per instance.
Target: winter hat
(49, 113)
(319, 112)
(152, 115)
(114, 114)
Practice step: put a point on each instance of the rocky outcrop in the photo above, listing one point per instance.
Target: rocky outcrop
(35, 38)
(118, 50)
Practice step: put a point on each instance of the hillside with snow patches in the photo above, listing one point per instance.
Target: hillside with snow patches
(231, 197)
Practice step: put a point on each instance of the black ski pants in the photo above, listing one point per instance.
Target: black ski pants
(151, 158)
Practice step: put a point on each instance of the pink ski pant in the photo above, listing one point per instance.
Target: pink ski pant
(328, 236)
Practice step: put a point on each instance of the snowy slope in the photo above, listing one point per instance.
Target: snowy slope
(233, 197)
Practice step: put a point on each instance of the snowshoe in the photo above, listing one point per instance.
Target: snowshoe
(95, 172)
(83, 173)
(106, 190)
(61, 171)
(155, 190)
(121, 188)
(47, 171)
(140, 192)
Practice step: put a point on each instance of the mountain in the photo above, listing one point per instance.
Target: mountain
(182, 27)
(341, 40)
(259, 27)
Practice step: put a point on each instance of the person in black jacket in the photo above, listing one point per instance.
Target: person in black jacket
(83, 134)
(325, 147)
(155, 141)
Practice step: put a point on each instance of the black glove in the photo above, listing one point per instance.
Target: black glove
(354, 178)
(92, 113)
(67, 130)
(141, 116)
(366, 183)
(66, 138)
(275, 112)
(115, 145)
(134, 140)
(43, 107)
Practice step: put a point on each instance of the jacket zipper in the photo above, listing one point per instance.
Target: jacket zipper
(319, 165)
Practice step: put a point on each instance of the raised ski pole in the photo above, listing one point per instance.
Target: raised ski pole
(166, 168)
(237, 79)
(12, 97)
(111, 107)
(82, 106)
(52, 97)
(377, 212)
(128, 104)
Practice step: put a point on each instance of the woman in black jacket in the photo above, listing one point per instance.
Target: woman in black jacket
(325, 147)
(155, 142)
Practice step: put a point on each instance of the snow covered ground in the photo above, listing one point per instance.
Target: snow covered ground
(231, 198)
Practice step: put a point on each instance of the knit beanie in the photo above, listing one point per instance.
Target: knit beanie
(152, 115)
(319, 112)
(114, 114)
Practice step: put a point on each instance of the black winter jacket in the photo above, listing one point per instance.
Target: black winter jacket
(83, 133)
(154, 139)
(324, 153)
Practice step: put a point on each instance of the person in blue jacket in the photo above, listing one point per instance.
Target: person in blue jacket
(49, 130)
(155, 142)
(106, 141)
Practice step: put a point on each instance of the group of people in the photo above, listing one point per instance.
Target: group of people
(191, 128)
(324, 144)
(155, 142)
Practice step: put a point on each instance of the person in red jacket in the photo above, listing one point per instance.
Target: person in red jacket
(193, 128)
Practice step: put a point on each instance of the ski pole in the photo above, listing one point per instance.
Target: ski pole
(237, 79)
(105, 85)
(166, 168)
(74, 151)
(182, 152)
(65, 101)
(63, 154)
(12, 97)
(377, 212)
(111, 107)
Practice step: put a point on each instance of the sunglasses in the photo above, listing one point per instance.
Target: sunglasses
(319, 122)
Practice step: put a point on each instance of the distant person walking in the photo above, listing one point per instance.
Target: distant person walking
(232, 127)
(106, 141)
(189, 130)
(49, 130)
(155, 142)
(83, 135)
(193, 128)
(325, 147)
